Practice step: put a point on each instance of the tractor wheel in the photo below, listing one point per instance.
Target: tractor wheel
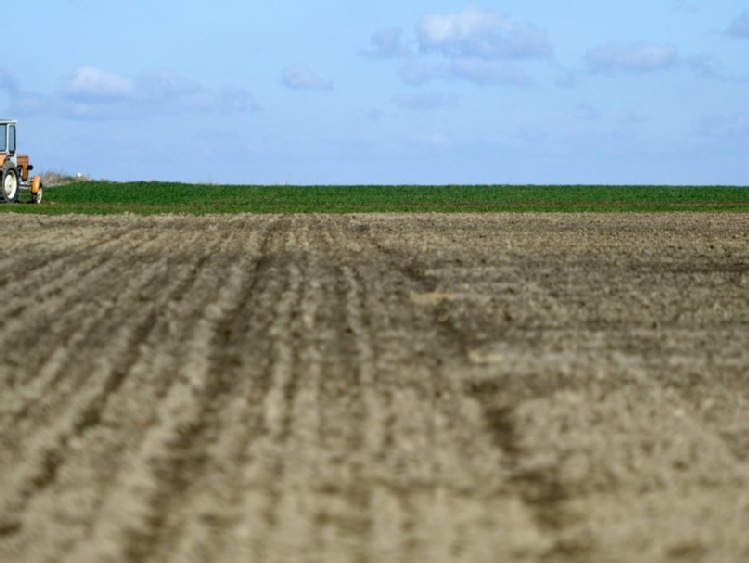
(36, 198)
(9, 191)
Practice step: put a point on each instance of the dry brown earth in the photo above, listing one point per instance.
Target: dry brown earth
(366, 388)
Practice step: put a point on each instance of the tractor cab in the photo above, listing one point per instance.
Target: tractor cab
(14, 175)
(7, 137)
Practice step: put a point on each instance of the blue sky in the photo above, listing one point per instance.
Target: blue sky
(335, 92)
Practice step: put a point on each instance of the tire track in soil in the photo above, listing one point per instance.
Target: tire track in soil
(561, 457)
(385, 435)
(306, 487)
(578, 455)
(470, 515)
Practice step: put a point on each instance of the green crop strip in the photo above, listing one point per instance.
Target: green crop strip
(163, 197)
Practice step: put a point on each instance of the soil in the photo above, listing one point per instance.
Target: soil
(365, 388)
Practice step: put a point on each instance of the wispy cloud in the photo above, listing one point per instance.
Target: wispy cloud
(586, 112)
(387, 43)
(731, 126)
(93, 93)
(487, 74)
(740, 26)
(418, 73)
(568, 79)
(421, 101)
(477, 71)
(477, 33)
(301, 77)
(639, 57)
(685, 7)
(631, 117)
(8, 82)
(709, 68)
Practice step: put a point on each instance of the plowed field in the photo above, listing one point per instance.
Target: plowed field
(394, 388)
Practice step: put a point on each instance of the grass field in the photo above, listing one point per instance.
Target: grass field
(162, 197)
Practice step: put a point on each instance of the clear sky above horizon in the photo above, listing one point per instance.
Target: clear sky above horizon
(416, 92)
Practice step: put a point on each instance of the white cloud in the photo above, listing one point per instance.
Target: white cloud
(477, 33)
(301, 77)
(467, 46)
(387, 43)
(93, 93)
(89, 84)
(640, 57)
(740, 26)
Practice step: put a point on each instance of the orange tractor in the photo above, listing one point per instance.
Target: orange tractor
(15, 168)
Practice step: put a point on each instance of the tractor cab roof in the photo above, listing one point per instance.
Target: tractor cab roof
(7, 121)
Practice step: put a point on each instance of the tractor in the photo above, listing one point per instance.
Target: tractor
(15, 168)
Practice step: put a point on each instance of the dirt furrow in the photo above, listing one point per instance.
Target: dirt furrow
(168, 449)
(83, 319)
(79, 322)
(203, 519)
(50, 459)
(263, 510)
(593, 350)
(420, 431)
(151, 380)
(41, 310)
(541, 388)
(36, 310)
(578, 454)
(200, 514)
(35, 272)
(126, 343)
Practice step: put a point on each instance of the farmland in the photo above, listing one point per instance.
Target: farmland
(147, 198)
(530, 387)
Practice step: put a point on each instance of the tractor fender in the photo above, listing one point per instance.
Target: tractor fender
(7, 162)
